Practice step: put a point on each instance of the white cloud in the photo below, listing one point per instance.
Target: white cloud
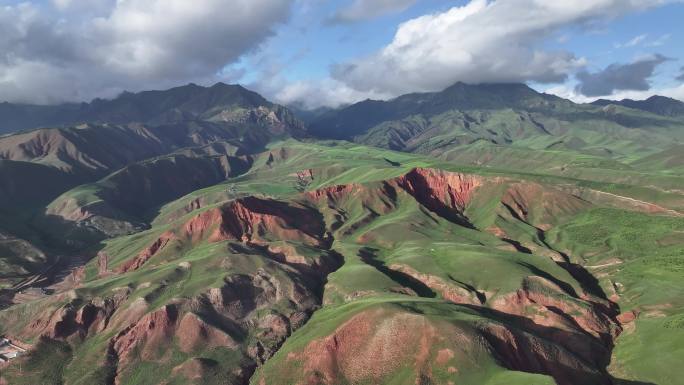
(642, 40)
(49, 56)
(633, 42)
(367, 9)
(323, 93)
(482, 41)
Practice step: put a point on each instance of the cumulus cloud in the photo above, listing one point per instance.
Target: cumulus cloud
(360, 10)
(272, 82)
(620, 77)
(53, 53)
(324, 93)
(482, 41)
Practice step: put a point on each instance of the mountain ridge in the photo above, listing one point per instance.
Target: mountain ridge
(177, 104)
(512, 115)
(661, 105)
(514, 237)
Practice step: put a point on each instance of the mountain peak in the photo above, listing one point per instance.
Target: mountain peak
(656, 104)
(358, 118)
(222, 85)
(155, 107)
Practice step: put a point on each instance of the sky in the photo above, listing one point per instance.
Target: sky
(327, 53)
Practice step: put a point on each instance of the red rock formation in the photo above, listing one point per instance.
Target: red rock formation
(437, 189)
(70, 320)
(153, 330)
(102, 264)
(203, 224)
(587, 316)
(250, 219)
(194, 333)
(369, 346)
(333, 193)
(628, 317)
(145, 255)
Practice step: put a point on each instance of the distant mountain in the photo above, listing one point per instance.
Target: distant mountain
(347, 122)
(186, 236)
(659, 105)
(221, 103)
(82, 143)
(498, 114)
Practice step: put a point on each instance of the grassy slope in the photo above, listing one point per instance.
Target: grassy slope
(434, 246)
(640, 259)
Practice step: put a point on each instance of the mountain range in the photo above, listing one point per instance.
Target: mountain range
(484, 234)
(660, 105)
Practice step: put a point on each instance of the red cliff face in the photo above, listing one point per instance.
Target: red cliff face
(266, 305)
(250, 219)
(437, 189)
(257, 220)
(333, 193)
(376, 344)
(73, 318)
(148, 334)
(253, 219)
(445, 193)
(366, 348)
(145, 255)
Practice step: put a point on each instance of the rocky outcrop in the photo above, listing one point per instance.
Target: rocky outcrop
(149, 252)
(376, 344)
(251, 219)
(148, 334)
(102, 264)
(541, 206)
(333, 193)
(266, 305)
(366, 348)
(556, 308)
(527, 352)
(445, 193)
(440, 188)
(74, 319)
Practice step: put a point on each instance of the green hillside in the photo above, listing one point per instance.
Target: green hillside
(482, 235)
(357, 236)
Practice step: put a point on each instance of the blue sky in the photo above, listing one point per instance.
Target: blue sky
(330, 52)
(312, 45)
(317, 43)
(662, 31)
